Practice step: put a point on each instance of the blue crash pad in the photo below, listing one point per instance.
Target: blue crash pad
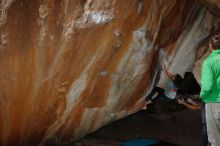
(140, 142)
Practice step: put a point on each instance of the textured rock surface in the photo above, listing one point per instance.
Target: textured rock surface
(69, 67)
(213, 5)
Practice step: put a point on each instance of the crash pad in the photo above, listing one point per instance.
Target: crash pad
(140, 142)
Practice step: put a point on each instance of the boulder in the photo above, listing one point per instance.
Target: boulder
(69, 67)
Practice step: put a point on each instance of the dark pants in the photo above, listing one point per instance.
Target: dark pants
(204, 127)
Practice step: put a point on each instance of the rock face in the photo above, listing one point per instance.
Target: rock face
(213, 5)
(69, 67)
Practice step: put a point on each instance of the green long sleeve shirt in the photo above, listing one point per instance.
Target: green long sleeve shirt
(210, 78)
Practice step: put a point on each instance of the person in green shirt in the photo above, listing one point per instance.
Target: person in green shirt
(210, 91)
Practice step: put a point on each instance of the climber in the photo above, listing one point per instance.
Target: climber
(185, 90)
(165, 96)
(210, 91)
(171, 87)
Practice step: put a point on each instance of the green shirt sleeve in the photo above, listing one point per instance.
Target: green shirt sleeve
(206, 80)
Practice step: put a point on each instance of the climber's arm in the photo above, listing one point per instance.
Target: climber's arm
(189, 106)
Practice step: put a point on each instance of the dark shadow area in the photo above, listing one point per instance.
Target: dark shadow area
(182, 127)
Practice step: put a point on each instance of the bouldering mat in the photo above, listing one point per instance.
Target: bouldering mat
(140, 142)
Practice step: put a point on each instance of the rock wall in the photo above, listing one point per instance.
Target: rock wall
(212, 5)
(70, 67)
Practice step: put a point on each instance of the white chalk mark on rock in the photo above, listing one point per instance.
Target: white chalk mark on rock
(95, 12)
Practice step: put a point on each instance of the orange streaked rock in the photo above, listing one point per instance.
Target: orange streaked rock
(68, 67)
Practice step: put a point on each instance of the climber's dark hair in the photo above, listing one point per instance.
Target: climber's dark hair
(215, 41)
